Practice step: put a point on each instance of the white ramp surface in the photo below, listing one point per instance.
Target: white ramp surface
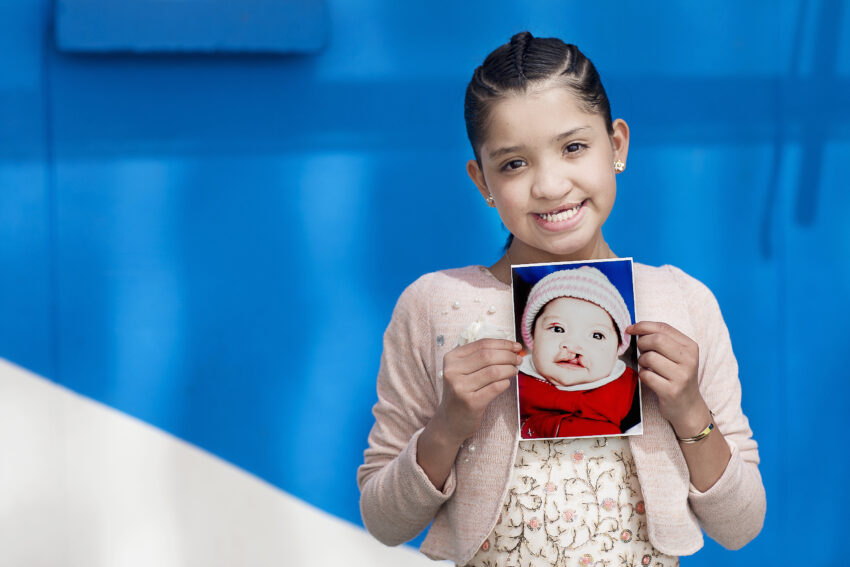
(84, 485)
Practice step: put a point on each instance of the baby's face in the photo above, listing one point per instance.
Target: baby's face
(574, 342)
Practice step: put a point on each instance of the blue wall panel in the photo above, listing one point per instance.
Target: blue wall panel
(815, 302)
(215, 244)
(25, 188)
(273, 26)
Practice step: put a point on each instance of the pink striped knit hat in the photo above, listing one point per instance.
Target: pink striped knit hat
(584, 283)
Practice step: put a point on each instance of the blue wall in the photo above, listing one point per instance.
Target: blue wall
(214, 243)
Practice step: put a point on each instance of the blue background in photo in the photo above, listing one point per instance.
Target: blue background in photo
(213, 243)
(618, 272)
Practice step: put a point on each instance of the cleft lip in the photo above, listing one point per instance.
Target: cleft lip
(574, 359)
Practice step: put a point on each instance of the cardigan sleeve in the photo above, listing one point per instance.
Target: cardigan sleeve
(732, 511)
(397, 500)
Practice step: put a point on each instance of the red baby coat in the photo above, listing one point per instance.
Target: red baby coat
(548, 412)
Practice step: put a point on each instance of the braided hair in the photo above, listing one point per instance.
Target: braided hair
(526, 61)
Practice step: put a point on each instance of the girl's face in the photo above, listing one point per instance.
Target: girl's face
(575, 342)
(549, 167)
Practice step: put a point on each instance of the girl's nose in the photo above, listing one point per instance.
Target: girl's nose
(550, 182)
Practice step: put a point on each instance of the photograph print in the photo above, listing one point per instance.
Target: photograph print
(578, 376)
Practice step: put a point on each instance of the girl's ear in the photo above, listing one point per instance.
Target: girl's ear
(620, 140)
(477, 176)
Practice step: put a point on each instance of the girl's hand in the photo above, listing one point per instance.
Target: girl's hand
(669, 363)
(473, 375)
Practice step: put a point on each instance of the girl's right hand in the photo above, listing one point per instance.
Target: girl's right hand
(473, 375)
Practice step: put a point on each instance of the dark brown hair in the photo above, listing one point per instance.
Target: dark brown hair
(524, 61)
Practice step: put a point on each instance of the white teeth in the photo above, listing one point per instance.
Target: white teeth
(561, 216)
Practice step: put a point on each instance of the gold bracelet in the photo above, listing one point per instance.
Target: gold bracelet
(699, 436)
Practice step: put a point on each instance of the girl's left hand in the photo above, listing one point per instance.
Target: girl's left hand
(669, 363)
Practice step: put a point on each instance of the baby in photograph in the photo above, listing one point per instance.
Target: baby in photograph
(573, 383)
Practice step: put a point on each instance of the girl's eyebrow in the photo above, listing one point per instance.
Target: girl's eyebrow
(495, 154)
(571, 133)
(502, 151)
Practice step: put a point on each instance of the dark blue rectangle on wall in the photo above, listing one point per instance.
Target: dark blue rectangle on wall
(271, 26)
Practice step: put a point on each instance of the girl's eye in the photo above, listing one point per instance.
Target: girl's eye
(513, 164)
(574, 147)
(556, 329)
(598, 336)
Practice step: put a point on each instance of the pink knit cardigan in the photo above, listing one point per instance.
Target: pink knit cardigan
(397, 499)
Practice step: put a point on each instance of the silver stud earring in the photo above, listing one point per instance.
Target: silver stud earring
(619, 166)
(490, 200)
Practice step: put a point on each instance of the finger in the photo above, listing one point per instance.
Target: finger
(486, 376)
(660, 365)
(482, 359)
(470, 349)
(654, 382)
(655, 327)
(489, 392)
(667, 347)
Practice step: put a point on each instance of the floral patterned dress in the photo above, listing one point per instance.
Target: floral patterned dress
(572, 502)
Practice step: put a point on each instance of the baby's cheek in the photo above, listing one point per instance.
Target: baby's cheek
(605, 364)
(535, 356)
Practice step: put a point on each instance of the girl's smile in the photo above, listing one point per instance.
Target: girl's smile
(548, 166)
(564, 218)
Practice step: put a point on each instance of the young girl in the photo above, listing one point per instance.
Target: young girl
(444, 447)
